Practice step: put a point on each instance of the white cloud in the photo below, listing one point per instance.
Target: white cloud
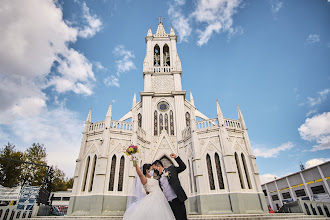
(272, 152)
(216, 15)
(99, 66)
(265, 178)
(59, 130)
(35, 40)
(124, 64)
(76, 74)
(322, 95)
(179, 21)
(93, 26)
(317, 129)
(111, 81)
(313, 111)
(315, 162)
(276, 5)
(313, 38)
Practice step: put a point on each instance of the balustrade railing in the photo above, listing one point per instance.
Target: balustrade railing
(232, 123)
(98, 126)
(186, 132)
(207, 123)
(120, 125)
(162, 69)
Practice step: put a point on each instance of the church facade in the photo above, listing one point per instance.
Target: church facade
(221, 175)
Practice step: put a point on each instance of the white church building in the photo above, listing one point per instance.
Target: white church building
(221, 175)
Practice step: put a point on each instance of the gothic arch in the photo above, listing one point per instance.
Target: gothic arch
(156, 55)
(246, 170)
(187, 119)
(219, 171)
(85, 174)
(210, 172)
(166, 56)
(92, 174)
(121, 173)
(140, 120)
(112, 173)
(239, 171)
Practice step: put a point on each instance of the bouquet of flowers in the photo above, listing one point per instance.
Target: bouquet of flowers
(131, 151)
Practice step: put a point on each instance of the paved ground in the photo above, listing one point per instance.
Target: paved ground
(200, 217)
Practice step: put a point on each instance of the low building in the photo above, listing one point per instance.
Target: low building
(61, 200)
(309, 184)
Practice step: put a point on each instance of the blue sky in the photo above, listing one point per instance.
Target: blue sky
(270, 57)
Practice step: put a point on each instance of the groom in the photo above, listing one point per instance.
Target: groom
(171, 186)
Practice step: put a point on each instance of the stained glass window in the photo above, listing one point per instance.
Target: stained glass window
(210, 172)
(112, 173)
(121, 173)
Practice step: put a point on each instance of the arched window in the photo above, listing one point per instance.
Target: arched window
(166, 123)
(86, 173)
(112, 172)
(156, 55)
(92, 174)
(239, 171)
(161, 127)
(121, 173)
(155, 123)
(246, 172)
(171, 123)
(166, 56)
(210, 172)
(219, 172)
(187, 119)
(140, 120)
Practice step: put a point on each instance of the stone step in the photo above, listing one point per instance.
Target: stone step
(199, 217)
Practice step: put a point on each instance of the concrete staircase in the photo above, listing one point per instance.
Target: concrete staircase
(199, 217)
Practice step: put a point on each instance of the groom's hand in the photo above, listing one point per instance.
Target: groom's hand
(173, 155)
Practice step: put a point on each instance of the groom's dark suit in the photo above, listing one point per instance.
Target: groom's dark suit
(177, 204)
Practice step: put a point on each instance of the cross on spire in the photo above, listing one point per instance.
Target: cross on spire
(160, 19)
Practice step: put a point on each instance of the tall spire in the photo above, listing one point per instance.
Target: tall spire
(161, 31)
(109, 113)
(240, 117)
(149, 34)
(134, 100)
(172, 31)
(220, 115)
(89, 116)
(192, 99)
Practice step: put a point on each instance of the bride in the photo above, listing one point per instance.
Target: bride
(153, 205)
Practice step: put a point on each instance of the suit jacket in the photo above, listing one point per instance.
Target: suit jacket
(174, 181)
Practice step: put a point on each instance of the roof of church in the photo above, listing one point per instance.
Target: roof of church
(161, 30)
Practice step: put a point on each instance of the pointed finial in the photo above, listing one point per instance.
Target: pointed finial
(218, 109)
(149, 32)
(89, 116)
(134, 100)
(240, 117)
(109, 113)
(220, 115)
(172, 31)
(192, 99)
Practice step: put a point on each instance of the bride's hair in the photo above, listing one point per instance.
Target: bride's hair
(146, 167)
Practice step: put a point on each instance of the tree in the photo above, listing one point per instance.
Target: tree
(10, 171)
(56, 180)
(69, 183)
(34, 174)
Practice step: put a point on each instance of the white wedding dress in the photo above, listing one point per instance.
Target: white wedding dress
(152, 206)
